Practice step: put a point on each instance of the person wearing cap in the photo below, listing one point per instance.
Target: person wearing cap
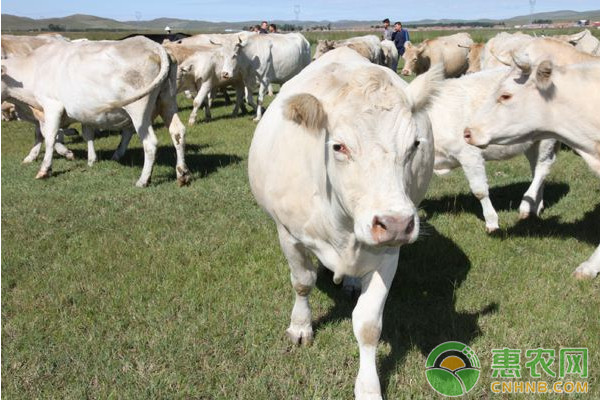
(387, 31)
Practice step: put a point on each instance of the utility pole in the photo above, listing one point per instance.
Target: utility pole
(531, 10)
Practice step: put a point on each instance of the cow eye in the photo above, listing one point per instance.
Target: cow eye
(340, 148)
(505, 97)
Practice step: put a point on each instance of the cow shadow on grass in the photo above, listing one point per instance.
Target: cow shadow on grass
(199, 163)
(504, 198)
(585, 229)
(420, 311)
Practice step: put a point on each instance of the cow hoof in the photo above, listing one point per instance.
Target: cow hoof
(44, 174)
(524, 215)
(256, 119)
(142, 184)
(28, 160)
(492, 229)
(91, 162)
(585, 271)
(116, 157)
(184, 180)
(70, 156)
(300, 335)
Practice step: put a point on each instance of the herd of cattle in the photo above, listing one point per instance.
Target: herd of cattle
(345, 152)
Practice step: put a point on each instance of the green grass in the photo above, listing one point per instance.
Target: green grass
(110, 291)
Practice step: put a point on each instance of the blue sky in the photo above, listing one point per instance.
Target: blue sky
(237, 10)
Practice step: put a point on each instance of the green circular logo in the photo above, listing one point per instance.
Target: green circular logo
(452, 369)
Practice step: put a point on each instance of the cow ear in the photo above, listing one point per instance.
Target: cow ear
(186, 68)
(306, 110)
(424, 87)
(543, 75)
(408, 45)
(522, 62)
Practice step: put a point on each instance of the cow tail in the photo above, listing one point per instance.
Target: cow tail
(162, 74)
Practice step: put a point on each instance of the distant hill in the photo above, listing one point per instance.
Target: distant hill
(79, 22)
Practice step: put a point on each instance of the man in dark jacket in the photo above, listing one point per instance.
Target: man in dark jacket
(399, 37)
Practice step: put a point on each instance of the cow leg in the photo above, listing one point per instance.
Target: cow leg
(198, 100)
(541, 156)
(226, 96)
(367, 320)
(590, 268)
(304, 276)
(88, 135)
(168, 112)
(473, 166)
(270, 90)
(35, 150)
(261, 97)
(140, 115)
(53, 114)
(126, 135)
(60, 148)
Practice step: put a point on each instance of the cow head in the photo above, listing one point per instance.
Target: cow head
(519, 107)
(185, 75)
(411, 57)
(323, 46)
(231, 52)
(377, 149)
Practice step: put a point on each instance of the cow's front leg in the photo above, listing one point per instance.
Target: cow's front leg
(473, 166)
(590, 268)
(261, 96)
(201, 97)
(53, 114)
(304, 277)
(541, 156)
(367, 323)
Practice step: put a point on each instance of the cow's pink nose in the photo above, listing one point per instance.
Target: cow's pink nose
(225, 75)
(392, 229)
(467, 135)
(405, 72)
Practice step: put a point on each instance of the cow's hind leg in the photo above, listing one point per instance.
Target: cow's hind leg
(35, 150)
(60, 147)
(168, 112)
(473, 166)
(541, 156)
(200, 98)
(304, 277)
(367, 321)
(126, 135)
(590, 268)
(141, 119)
(88, 135)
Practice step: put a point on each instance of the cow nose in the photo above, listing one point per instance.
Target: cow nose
(392, 229)
(225, 75)
(467, 134)
(405, 72)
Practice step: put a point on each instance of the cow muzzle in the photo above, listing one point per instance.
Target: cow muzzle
(474, 137)
(405, 72)
(225, 75)
(394, 230)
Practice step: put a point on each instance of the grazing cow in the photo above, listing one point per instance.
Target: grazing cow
(474, 57)
(501, 47)
(390, 54)
(368, 46)
(199, 70)
(583, 41)
(107, 84)
(21, 46)
(443, 49)
(450, 112)
(340, 161)
(540, 100)
(160, 37)
(265, 59)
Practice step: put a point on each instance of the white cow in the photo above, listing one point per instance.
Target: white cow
(265, 59)
(107, 84)
(199, 70)
(450, 112)
(539, 100)
(368, 46)
(390, 54)
(451, 51)
(340, 161)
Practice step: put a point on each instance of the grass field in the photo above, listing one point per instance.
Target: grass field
(111, 291)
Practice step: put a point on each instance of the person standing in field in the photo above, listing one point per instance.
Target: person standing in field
(399, 37)
(264, 27)
(387, 31)
(272, 28)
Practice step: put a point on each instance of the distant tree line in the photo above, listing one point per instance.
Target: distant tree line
(542, 21)
(478, 24)
(55, 28)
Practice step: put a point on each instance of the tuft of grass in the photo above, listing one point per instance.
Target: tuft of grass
(111, 291)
